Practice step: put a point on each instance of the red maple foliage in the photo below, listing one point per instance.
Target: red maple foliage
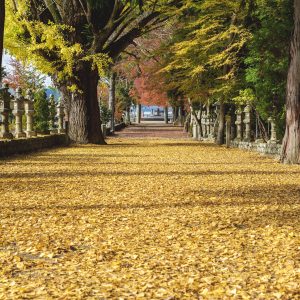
(141, 65)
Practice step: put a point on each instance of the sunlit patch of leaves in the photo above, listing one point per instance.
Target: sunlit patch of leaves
(149, 219)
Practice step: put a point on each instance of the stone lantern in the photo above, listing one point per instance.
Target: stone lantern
(29, 111)
(18, 112)
(52, 110)
(60, 115)
(238, 124)
(204, 124)
(273, 139)
(5, 109)
(195, 127)
(247, 122)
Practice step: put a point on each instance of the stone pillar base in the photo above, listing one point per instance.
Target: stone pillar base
(30, 134)
(272, 142)
(259, 141)
(20, 135)
(53, 131)
(6, 135)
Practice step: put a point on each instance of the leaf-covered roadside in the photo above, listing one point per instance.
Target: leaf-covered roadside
(156, 219)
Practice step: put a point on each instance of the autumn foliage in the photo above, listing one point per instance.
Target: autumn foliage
(148, 88)
(149, 219)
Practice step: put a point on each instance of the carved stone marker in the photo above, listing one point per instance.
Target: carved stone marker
(247, 122)
(52, 110)
(4, 111)
(60, 115)
(18, 112)
(273, 139)
(238, 124)
(29, 111)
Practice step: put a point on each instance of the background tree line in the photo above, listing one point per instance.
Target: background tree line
(224, 51)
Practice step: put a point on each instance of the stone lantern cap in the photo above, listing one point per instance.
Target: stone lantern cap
(29, 101)
(19, 101)
(247, 108)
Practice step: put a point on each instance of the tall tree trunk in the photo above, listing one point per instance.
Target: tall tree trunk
(221, 127)
(2, 19)
(83, 107)
(112, 100)
(291, 142)
(166, 117)
(138, 113)
(128, 115)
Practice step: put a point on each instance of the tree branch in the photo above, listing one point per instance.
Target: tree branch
(115, 48)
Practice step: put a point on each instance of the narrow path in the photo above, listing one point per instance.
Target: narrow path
(149, 219)
(153, 130)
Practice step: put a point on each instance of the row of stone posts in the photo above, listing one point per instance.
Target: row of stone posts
(243, 121)
(207, 122)
(245, 135)
(20, 106)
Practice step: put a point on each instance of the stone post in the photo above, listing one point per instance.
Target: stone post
(166, 115)
(228, 130)
(51, 110)
(52, 115)
(273, 139)
(60, 115)
(5, 98)
(18, 112)
(29, 111)
(204, 116)
(247, 122)
(238, 124)
(203, 124)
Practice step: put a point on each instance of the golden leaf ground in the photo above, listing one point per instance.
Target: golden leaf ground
(149, 219)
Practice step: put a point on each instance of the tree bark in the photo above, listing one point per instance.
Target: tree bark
(83, 107)
(166, 117)
(128, 121)
(112, 100)
(221, 127)
(2, 19)
(138, 113)
(291, 141)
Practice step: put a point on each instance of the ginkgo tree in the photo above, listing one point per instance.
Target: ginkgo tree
(76, 41)
(2, 19)
(291, 141)
(205, 58)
